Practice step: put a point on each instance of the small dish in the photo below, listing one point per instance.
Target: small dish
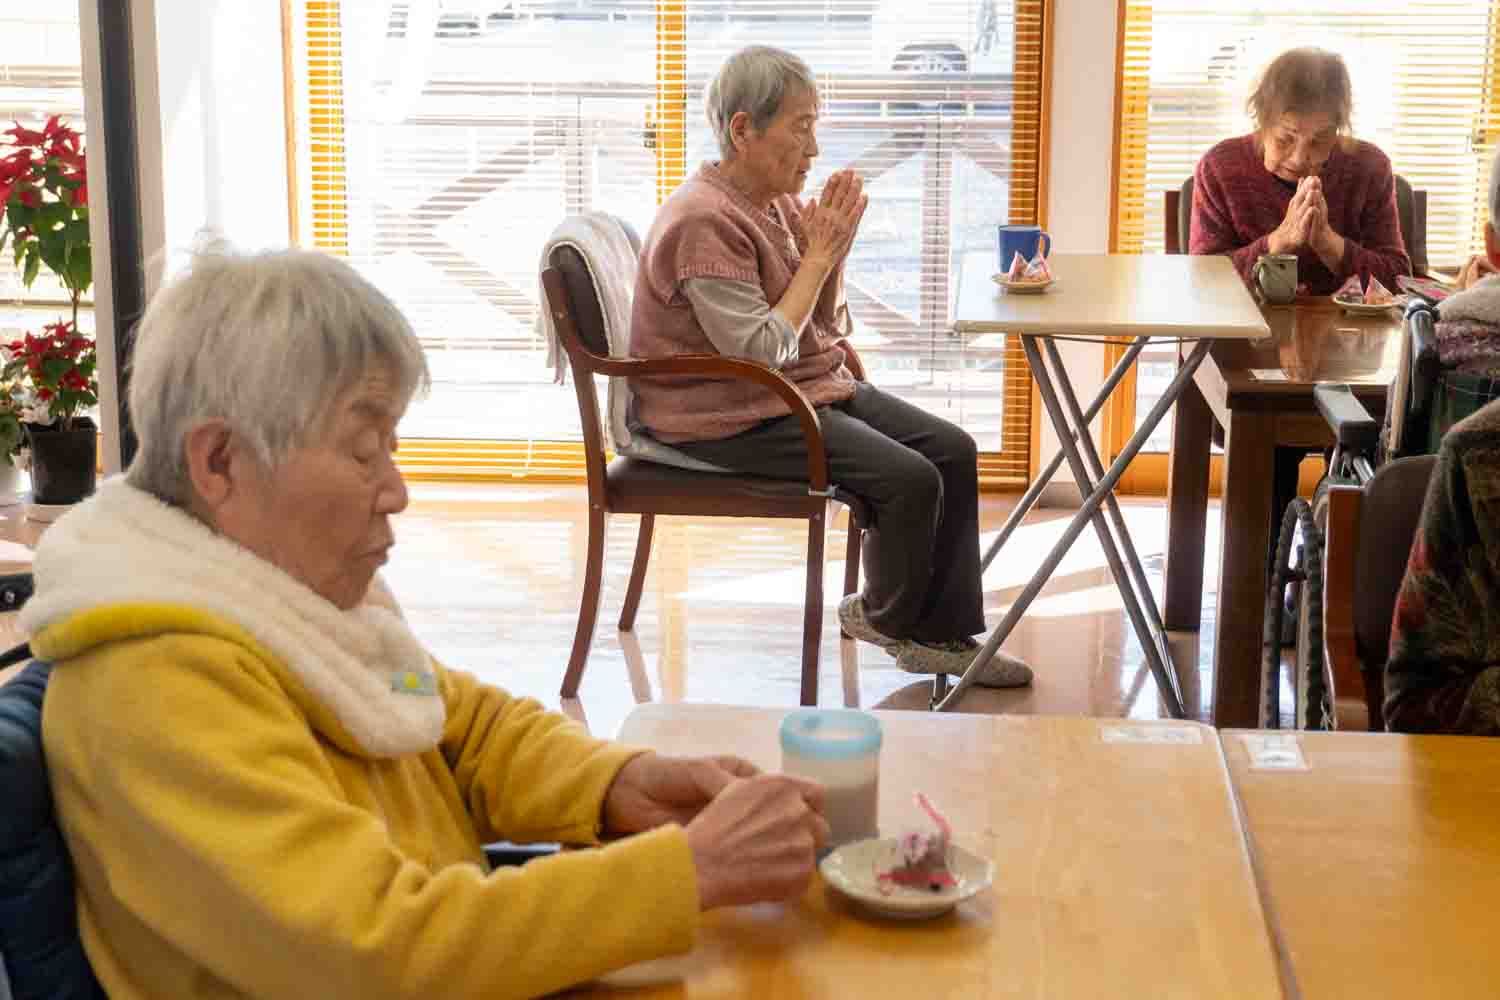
(853, 870)
(1364, 309)
(1023, 287)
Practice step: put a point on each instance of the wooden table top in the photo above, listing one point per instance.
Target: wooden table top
(1114, 295)
(1311, 341)
(1121, 869)
(1381, 861)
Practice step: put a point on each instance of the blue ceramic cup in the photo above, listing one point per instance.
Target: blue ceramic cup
(1023, 240)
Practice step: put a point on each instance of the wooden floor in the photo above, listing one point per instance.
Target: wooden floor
(490, 578)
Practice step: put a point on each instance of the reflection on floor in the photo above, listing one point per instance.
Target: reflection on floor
(490, 577)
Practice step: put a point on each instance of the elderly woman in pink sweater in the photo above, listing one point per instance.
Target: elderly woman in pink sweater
(735, 264)
(1299, 184)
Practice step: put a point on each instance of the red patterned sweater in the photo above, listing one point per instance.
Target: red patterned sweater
(1237, 203)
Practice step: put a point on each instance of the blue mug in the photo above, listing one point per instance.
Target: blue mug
(1023, 240)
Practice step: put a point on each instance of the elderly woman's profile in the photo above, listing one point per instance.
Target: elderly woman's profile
(268, 787)
(736, 264)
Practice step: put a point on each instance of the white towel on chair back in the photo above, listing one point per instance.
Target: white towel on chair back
(601, 239)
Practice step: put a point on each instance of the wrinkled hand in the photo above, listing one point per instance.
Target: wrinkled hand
(1298, 228)
(829, 226)
(1477, 268)
(653, 790)
(758, 841)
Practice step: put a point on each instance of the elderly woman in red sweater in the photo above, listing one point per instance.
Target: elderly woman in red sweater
(735, 264)
(1300, 184)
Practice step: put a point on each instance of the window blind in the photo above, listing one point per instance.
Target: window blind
(40, 75)
(1424, 76)
(440, 143)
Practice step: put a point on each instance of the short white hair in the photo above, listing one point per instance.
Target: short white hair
(755, 80)
(265, 342)
(1495, 191)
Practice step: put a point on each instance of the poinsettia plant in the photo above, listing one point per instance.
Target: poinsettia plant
(45, 195)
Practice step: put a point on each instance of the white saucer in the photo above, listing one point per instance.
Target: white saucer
(1023, 287)
(853, 869)
(1363, 309)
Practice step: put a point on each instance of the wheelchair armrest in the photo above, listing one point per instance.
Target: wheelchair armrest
(1353, 427)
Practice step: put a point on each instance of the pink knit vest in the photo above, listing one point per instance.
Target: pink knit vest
(708, 229)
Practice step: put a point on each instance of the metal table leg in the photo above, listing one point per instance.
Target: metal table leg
(946, 698)
(1029, 498)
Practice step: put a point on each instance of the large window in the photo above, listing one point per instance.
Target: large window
(1424, 75)
(440, 143)
(40, 75)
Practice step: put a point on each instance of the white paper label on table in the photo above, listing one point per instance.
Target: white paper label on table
(1151, 734)
(1274, 752)
(1268, 374)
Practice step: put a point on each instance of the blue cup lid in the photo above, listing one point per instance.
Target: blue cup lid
(830, 733)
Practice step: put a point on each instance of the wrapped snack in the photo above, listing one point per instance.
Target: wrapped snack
(1017, 268)
(1037, 269)
(1377, 294)
(924, 856)
(1351, 290)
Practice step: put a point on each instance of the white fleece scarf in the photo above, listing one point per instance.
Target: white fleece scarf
(123, 545)
(1479, 303)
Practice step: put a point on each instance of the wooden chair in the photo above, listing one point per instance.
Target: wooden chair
(1366, 542)
(1411, 211)
(634, 486)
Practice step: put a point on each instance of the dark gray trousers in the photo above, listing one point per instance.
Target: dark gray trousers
(920, 476)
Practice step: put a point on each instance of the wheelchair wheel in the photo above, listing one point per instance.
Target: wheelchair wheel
(1301, 565)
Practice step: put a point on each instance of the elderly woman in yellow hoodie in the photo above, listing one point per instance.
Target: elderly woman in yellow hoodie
(267, 786)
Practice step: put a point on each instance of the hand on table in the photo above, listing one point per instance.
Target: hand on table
(653, 790)
(758, 841)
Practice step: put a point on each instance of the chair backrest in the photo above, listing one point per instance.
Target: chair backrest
(39, 941)
(1411, 212)
(1177, 218)
(587, 311)
(1388, 516)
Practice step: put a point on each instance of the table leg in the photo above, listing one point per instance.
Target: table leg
(1029, 498)
(1249, 455)
(945, 699)
(1187, 510)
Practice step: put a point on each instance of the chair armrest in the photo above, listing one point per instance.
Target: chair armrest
(853, 361)
(1353, 427)
(1346, 681)
(694, 364)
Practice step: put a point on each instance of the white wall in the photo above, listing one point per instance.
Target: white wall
(1082, 123)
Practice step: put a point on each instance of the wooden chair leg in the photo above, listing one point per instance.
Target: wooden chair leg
(851, 561)
(588, 609)
(812, 620)
(637, 573)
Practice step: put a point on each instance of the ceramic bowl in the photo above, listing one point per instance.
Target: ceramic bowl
(853, 868)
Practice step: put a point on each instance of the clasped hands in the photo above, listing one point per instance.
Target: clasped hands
(828, 226)
(1306, 225)
(754, 836)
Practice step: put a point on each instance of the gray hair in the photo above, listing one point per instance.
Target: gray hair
(755, 80)
(265, 342)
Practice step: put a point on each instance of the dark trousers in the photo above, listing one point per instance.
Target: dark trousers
(920, 476)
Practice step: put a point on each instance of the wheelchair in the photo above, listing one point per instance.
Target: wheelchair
(1381, 462)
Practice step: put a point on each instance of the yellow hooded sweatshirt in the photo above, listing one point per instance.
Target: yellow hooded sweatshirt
(265, 796)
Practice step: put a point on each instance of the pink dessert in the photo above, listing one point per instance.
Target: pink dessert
(924, 856)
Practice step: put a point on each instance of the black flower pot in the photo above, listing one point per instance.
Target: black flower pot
(63, 462)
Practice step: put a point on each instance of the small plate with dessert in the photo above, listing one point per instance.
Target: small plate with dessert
(916, 876)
